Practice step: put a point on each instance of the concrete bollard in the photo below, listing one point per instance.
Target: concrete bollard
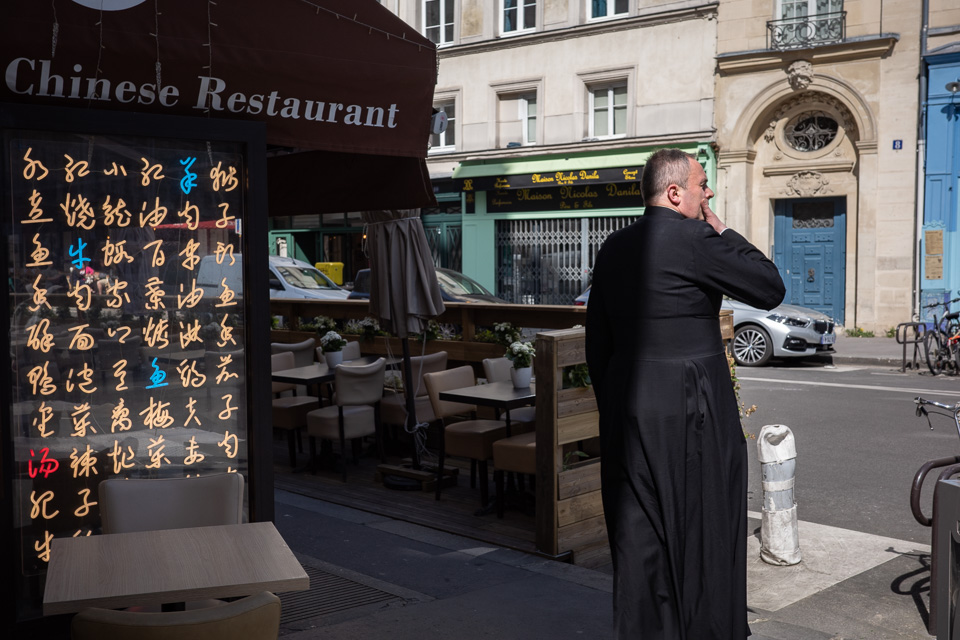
(779, 537)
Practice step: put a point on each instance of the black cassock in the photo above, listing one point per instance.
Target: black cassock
(673, 451)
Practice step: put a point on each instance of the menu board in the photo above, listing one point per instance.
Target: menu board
(126, 320)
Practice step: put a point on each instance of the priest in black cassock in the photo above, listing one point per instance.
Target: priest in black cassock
(674, 456)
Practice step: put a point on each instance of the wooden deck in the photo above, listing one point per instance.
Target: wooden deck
(454, 512)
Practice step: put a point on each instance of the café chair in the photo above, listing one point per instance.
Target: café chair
(290, 412)
(393, 408)
(255, 617)
(516, 454)
(279, 362)
(471, 438)
(302, 351)
(522, 419)
(356, 412)
(154, 504)
(351, 350)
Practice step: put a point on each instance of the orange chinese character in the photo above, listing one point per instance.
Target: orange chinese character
(79, 212)
(39, 254)
(126, 331)
(42, 547)
(224, 250)
(84, 509)
(41, 421)
(193, 456)
(156, 415)
(115, 252)
(39, 338)
(226, 333)
(154, 217)
(115, 301)
(225, 375)
(116, 214)
(120, 372)
(81, 341)
(86, 379)
(39, 295)
(84, 464)
(159, 257)
(150, 172)
(35, 210)
(115, 169)
(30, 171)
(190, 251)
(227, 180)
(228, 411)
(155, 451)
(193, 297)
(224, 220)
(192, 213)
(155, 333)
(75, 169)
(83, 294)
(192, 415)
(40, 380)
(189, 376)
(38, 508)
(230, 444)
(189, 333)
(227, 296)
(120, 417)
(81, 420)
(121, 459)
(154, 294)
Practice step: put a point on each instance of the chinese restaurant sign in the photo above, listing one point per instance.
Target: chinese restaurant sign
(128, 355)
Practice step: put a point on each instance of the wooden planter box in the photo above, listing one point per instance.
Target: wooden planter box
(457, 350)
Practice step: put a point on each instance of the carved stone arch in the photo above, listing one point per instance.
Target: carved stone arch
(765, 106)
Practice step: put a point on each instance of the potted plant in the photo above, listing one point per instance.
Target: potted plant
(521, 355)
(332, 345)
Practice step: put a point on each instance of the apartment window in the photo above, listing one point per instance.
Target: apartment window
(608, 8)
(446, 141)
(438, 20)
(804, 23)
(608, 111)
(517, 119)
(528, 118)
(519, 15)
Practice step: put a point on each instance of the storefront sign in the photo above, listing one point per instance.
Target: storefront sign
(629, 175)
(570, 198)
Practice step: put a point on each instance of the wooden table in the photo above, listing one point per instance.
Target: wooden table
(502, 396)
(175, 565)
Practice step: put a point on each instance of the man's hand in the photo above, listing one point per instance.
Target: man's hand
(710, 217)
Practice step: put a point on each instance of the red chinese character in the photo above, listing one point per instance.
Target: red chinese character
(46, 466)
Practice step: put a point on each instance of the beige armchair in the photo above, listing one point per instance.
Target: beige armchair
(290, 412)
(522, 419)
(302, 351)
(170, 503)
(465, 438)
(356, 413)
(255, 617)
(394, 406)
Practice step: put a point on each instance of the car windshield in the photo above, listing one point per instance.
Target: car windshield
(460, 285)
(305, 278)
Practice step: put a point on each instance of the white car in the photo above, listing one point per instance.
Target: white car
(788, 331)
(289, 278)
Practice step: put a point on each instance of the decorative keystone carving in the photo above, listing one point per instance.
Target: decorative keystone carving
(800, 74)
(806, 184)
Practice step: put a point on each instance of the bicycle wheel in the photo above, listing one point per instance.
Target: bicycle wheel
(933, 352)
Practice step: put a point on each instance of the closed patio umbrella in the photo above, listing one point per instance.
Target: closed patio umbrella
(404, 293)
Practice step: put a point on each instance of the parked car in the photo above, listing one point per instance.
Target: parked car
(454, 287)
(289, 278)
(788, 331)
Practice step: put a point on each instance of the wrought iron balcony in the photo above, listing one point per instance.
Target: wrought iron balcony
(806, 31)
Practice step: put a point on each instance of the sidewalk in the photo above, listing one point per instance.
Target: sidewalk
(871, 351)
(375, 577)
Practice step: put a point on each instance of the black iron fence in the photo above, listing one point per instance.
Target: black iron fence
(806, 31)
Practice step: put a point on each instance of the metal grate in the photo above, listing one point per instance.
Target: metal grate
(549, 261)
(328, 594)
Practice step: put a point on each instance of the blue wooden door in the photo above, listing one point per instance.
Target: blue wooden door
(809, 250)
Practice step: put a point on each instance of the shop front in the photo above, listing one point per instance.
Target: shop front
(532, 226)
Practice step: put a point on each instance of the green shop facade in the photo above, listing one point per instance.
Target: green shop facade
(527, 228)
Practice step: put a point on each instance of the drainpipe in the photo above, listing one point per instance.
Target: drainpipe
(919, 185)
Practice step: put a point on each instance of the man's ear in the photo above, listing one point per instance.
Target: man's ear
(673, 194)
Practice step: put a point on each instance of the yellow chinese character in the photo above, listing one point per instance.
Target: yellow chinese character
(43, 547)
(126, 331)
(155, 333)
(39, 295)
(154, 217)
(227, 180)
(81, 421)
(154, 294)
(224, 250)
(189, 333)
(230, 444)
(121, 459)
(224, 220)
(226, 333)
(115, 252)
(189, 375)
(193, 456)
(115, 169)
(155, 451)
(150, 172)
(120, 372)
(192, 415)
(192, 213)
(225, 375)
(193, 297)
(39, 338)
(79, 212)
(43, 419)
(228, 411)
(159, 257)
(83, 294)
(81, 341)
(227, 296)
(39, 254)
(190, 251)
(40, 380)
(86, 379)
(115, 301)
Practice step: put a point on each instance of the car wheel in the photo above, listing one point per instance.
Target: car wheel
(751, 346)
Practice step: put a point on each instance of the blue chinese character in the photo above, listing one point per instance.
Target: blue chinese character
(157, 377)
(188, 181)
(78, 254)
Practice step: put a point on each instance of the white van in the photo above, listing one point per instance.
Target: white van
(289, 278)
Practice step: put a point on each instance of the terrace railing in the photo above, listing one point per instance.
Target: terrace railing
(806, 31)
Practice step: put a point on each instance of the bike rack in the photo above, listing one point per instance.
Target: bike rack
(951, 466)
(903, 338)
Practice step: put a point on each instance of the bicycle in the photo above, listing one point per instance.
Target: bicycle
(950, 467)
(941, 344)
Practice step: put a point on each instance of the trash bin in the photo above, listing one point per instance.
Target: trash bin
(946, 564)
(333, 270)
(779, 535)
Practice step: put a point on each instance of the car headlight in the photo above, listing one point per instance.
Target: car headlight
(787, 320)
